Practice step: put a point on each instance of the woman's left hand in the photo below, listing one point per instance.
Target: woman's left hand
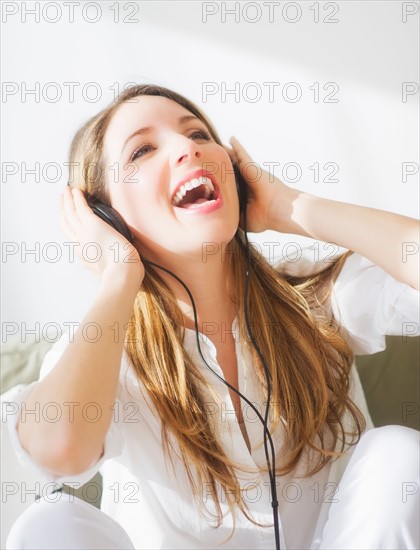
(378, 235)
(270, 201)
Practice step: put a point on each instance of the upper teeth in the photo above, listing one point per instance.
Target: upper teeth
(188, 185)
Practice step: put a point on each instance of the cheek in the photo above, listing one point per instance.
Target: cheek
(137, 208)
(224, 171)
(129, 193)
(222, 162)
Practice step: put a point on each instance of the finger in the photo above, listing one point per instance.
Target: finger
(231, 154)
(65, 226)
(70, 210)
(82, 207)
(241, 153)
(68, 198)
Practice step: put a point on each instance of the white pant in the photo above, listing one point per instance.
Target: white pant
(378, 506)
(70, 523)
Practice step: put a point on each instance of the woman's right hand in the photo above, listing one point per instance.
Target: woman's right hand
(101, 249)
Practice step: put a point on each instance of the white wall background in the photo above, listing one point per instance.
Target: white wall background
(369, 133)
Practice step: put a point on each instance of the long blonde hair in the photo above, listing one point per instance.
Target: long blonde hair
(310, 375)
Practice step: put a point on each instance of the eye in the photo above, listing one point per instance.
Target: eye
(140, 151)
(202, 133)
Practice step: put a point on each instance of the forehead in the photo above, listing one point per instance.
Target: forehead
(140, 112)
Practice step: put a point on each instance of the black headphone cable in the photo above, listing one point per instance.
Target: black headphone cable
(267, 436)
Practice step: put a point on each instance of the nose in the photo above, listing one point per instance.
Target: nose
(186, 149)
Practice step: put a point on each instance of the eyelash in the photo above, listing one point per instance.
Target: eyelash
(204, 135)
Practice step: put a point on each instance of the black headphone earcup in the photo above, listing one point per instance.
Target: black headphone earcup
(113, 218)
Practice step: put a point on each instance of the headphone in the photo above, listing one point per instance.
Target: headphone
(115, 220)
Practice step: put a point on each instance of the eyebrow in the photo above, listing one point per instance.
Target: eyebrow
(148, 129)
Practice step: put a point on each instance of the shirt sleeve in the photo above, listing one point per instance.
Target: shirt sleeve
(369, 304)
(13, 404)
(366, 301)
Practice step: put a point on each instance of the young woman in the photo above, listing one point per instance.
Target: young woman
(188, 462)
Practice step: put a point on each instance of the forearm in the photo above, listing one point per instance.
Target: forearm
(390, 240)
(87, 372)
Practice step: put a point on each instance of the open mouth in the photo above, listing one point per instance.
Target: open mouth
(195, 192)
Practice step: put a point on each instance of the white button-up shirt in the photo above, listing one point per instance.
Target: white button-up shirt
(153, 501)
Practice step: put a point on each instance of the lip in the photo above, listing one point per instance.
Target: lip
(203, 208)
(196, 174)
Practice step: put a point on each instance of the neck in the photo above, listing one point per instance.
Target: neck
(208, 284)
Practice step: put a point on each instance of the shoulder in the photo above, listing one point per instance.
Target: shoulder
(366, 301)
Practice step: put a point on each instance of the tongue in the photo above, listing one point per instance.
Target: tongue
(194, 204)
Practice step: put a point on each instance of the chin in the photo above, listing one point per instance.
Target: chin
(222, 233)
(204, 236)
